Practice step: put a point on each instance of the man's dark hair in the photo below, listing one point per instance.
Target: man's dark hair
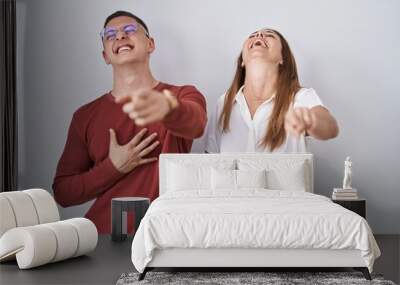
(127, 14)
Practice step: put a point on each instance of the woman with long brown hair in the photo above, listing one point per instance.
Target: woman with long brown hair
(265, 109)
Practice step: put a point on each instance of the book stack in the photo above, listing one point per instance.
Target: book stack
(344, 194)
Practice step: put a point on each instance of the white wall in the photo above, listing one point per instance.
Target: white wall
(347, 50)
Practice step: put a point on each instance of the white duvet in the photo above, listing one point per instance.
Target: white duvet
(251, 218)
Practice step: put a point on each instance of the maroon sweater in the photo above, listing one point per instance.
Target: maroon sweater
(85, 171)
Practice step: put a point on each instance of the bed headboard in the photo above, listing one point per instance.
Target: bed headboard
(205, 159)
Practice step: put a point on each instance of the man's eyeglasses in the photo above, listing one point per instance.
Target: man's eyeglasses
(110, 33)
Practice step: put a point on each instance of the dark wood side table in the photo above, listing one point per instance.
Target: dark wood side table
(358, 206)
(119, 210)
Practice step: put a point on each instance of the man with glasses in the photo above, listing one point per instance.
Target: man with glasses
(113, 142)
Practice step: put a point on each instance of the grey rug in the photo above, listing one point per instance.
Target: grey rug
(231, 278)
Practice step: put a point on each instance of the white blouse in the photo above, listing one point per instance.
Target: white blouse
(245, 133)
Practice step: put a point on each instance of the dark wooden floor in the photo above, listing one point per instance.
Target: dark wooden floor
(389, 262)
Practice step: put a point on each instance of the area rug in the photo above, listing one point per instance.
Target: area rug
(243, 278)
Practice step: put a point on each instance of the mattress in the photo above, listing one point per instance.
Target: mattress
(250, 218)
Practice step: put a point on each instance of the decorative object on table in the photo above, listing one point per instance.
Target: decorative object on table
(347, 173)
(31, 231)
(244, 278)
(358, 206)
(120, 207)
(347, 192)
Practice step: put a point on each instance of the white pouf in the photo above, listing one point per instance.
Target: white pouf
(23, 208)
(37, 245)
(26, 208)
(7, 218)
(46, 207)
(30, 230)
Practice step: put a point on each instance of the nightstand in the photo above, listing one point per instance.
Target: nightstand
(358, 206)
(119, 210)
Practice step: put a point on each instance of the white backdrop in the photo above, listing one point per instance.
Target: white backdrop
(347, 50)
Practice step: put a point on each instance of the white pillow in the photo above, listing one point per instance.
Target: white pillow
(251, 178)
(184, 175)
(292, 178)
(236, 179)
(223, 179)
(283, 174)
(182, 178)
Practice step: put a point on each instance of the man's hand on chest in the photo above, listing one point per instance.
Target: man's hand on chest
(127, 157)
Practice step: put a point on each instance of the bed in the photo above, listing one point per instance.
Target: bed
(244, 210)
